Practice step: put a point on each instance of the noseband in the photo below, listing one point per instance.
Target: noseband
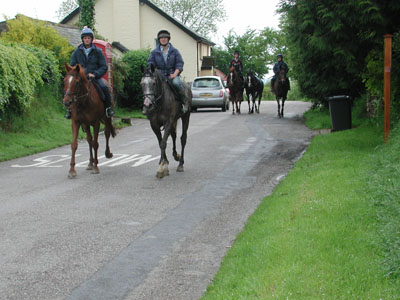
(153, 95)
(73, 96)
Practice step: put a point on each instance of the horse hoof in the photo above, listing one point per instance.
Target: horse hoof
(72, 175)
(166, 172)
(177, 157)
(109, 155)
(179, 169)
(89, 167)
(160, 175)
(95, 171)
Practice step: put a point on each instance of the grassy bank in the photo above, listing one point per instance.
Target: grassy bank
(42, 126)
(318, 236)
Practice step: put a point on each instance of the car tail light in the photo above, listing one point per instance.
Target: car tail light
(221, 93)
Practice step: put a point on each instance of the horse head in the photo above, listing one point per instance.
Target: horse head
(151, 88)
(75, 84)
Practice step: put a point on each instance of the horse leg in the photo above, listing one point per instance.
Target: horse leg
(279, 107)
(163, 167)
(185, 126)
(248, 101)
(283, 104)
(173, 136)
(107, 133)
(95, 144)
(74, 146)
(89, 139)
(233, 104)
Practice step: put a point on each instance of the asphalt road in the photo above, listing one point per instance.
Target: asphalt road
(124, 234)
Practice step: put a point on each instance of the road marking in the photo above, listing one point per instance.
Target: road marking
(51, 161)
(46, 162)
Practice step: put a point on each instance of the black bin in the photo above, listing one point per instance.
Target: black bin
(340, 111)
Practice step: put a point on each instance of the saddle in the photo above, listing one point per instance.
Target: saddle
(99, 90)
(173, 89)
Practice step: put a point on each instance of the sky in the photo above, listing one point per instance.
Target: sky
(253, 14)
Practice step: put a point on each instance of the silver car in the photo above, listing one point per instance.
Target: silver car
(209, 91)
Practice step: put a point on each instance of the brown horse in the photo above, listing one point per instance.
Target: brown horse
(163, 111)
(235, 89)
(281, 87)
(87, 109)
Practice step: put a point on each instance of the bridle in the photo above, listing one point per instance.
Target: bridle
(73, 96)
(151, 97)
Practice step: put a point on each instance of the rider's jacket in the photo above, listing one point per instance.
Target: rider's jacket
(94, 62)
(280, 64)
(174, 60)
(237, 64)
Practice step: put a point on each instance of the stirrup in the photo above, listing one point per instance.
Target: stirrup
(109, 112)
(68, 114)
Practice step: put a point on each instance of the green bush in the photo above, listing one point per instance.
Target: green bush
(20, 73)
(130, 95)
(23, 69)
(37, 33)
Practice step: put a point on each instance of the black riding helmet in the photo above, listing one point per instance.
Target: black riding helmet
(236, 51)
(163, 33)
(279, 55)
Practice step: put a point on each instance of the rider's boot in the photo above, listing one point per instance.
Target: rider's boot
(108, 106)
(67, 114)
(185, 102)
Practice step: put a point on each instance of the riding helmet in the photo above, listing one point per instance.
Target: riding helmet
(163, 33)
(86, 31)
(279, 55)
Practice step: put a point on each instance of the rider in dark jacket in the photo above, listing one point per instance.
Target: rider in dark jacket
(237, 63)
(169, 61)
(92, 59)
(278, 65)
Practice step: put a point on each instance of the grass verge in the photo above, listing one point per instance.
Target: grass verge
(316, 236)
(42, 126)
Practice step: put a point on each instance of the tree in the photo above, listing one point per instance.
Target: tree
(86, 16)
(329, 41)
(258, 49)
(66, 7)
(199, 15)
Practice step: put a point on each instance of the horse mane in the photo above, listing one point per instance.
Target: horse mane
(231, 69)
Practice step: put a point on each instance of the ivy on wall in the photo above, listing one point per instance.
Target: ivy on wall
(86, 16)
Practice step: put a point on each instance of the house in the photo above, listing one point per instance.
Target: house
(134, 24)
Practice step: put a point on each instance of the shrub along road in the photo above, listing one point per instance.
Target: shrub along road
(123, 234)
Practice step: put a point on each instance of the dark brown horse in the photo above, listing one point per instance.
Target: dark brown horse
(281, 87)
(163, 111)
(87, 109)
(235, 89)
(254, 89)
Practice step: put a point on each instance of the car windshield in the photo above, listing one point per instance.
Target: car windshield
(206, 82)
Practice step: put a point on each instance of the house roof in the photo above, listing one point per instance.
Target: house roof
(190, 32)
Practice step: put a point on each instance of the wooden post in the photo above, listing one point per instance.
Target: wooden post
(388, 66)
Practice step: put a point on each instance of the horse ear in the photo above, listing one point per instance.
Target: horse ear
(152, 68)
(142, 68)
(67, 67)
(78, 68)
